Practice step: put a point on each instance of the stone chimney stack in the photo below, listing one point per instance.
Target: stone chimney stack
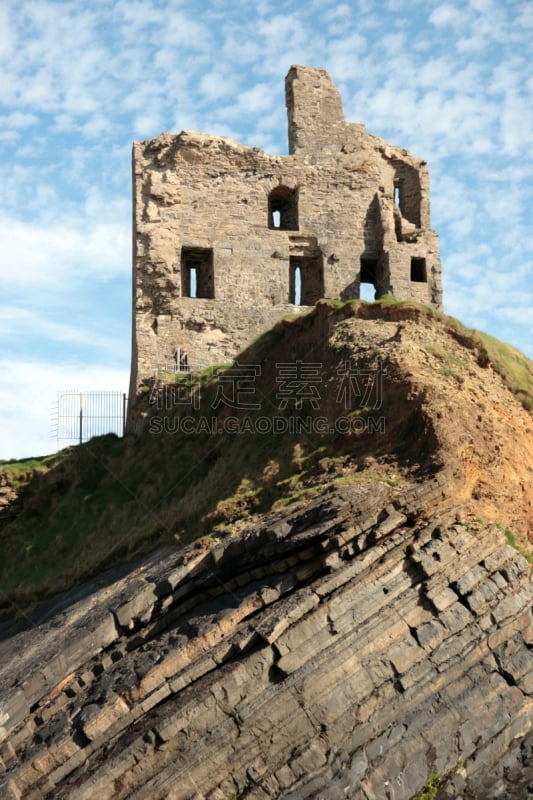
(314, 108)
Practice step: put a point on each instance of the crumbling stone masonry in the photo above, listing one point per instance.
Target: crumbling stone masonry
(227, 239)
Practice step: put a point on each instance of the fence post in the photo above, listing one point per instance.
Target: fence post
(123, 414)
(81, 417)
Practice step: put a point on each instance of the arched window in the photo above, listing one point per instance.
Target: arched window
(283, 209)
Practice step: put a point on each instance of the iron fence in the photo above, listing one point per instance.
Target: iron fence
(78, 416)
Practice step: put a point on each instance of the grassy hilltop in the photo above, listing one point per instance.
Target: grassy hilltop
(90, 506)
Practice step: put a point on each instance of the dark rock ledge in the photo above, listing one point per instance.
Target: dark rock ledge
(348, 649)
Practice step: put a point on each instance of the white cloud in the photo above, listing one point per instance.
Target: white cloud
(342, 11)
(447, 15)
(216, 84)
(37, 255)
(147, 125)
(182, 29)
(525, 16)
(38, 325)
(95, 126)
(9, 136)
(28, 392)
(136, 18)
(258, 104)
(7, 36)
(19, 120)
(343, 54)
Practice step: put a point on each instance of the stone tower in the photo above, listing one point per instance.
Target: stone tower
(227, 238)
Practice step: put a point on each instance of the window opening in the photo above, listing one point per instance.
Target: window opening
(397, 199)
(368, 277)
(407, 192)
(418, 270)
(306, 280)
(197, 275)
(367, 292)
(297, 286)
(283, 209)
(192, 281)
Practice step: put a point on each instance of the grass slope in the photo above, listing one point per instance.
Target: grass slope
(93, 505)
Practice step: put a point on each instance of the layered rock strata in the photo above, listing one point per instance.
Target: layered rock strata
(348, 649)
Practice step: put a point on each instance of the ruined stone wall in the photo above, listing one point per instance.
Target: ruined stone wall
(225, 234)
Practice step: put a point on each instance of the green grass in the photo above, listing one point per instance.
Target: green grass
(512, 365)
(19, 472)
(112, 499)
(203, 376)
(266, 341)
(435, 782)
(389, 300)
(519, 544)
(109, 500)
(430, 788)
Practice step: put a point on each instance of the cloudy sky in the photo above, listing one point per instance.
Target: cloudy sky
(81, 79)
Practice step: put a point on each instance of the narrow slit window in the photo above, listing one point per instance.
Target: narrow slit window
(297, 286)
(397, 198)
(306, 280)
(407, 195)
(276, 219)
(197, 275)
(192, 281)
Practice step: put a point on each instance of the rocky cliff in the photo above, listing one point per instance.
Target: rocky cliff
(358, 642)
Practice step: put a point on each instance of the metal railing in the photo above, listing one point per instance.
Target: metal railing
(170, 366)
(78, 416)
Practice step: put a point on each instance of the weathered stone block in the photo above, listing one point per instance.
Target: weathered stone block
(405, 654)
(442, 599)
(13, 709)
(456, 617)
(95, 720)
(139, 606)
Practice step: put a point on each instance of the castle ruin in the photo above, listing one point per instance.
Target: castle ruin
(227, 239)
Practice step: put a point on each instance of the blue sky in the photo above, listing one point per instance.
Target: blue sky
(79, 81)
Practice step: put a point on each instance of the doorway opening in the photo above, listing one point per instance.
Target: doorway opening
(368, 279)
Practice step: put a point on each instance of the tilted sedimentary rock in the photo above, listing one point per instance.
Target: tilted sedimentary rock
(350, 646)
(348, 649)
